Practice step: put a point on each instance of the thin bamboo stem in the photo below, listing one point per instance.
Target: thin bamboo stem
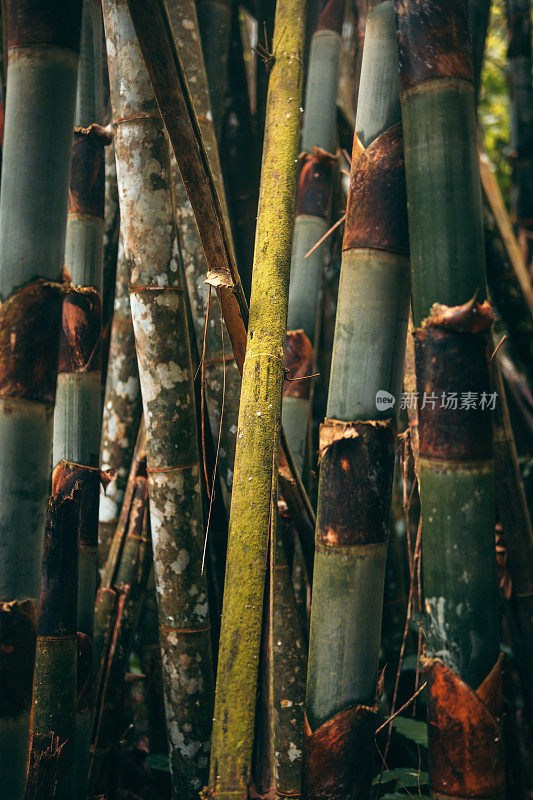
(162, 343)
(43, 43)
(255, 480)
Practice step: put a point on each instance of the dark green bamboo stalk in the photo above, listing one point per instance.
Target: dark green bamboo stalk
(111, 244)
(357, 437)
(451, 324)
(122, 409)
(479, 14)
(214, 17)
(162, 342)
(43, 41)
(312, 214)
(55, 684)
(520, 63)
(255, 480)
(77, 416)
(220, 371)
(129, 586)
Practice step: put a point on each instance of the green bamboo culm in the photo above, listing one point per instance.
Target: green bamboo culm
(256, 459)
(122, 409)
(43, 43)
(451, 327)
(479, 14)
(162, 342)
(55, 685)
(221, 376)
(313, 202)
(357, 437)
(77, 417)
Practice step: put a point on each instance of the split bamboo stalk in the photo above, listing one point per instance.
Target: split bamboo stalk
(214, 17)
(255, 481)
(452, 322)
(55, 683)
(357, 437)
(122, 409)
(77, 416)
(44, 768)
(162, 343)
(313, 202)
(520, 64)
(221, 376)
(43, 42)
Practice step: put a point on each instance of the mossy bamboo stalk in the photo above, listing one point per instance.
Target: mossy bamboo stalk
(55, 683)
(162, 343)
(452, 323)
(313, 201)
(357, 437)
(77, 416)
(520, 63)
(122, 409)
(214, 17)
(130, 584)
(255, 480)
(43, 42)
(219, 368)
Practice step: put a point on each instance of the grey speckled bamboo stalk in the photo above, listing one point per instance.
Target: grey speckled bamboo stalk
(218, 356)
(162, 341)
(78, 402)
(43, 42)
(122, 409)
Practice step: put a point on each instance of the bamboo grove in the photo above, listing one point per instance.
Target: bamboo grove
(266, 400)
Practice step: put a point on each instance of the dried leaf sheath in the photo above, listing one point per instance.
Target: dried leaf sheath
(162, 343)
(255, 479)
(43, 41)
(357, 439)
(456, 457)
(312, 209)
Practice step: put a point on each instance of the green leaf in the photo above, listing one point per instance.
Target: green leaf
(404, 776)
(412, 729)
(158, 761)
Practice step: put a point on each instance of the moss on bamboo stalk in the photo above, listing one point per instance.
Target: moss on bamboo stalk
(255, 482)
(122, 409)
(43, 42)
(451, 340)
(162, 342)
(357, 438)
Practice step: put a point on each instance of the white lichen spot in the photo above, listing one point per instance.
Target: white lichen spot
(181, 562)
(293, 752)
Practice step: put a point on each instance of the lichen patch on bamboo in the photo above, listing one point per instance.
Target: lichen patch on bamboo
(465, 734)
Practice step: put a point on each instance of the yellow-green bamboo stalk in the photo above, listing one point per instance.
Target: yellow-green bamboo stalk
(162, 343)
(43, 42)
(255, 479)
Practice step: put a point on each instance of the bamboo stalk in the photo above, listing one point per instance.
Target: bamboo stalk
(479, 14)
(122, 409)
(55, 683)
(214, 17)
(255, 479)
(44, 768)
(312, 213)
(357, 437)
(43, 43)
(451, 324)
(129, 587)
(162, 343)
(78, 402)
(221, 377)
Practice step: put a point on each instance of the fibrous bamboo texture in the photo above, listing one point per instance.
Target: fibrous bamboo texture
(312, 214)
(162, 342)
(357, 437)
(255, 480)
(451, 324)
(43, 42)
